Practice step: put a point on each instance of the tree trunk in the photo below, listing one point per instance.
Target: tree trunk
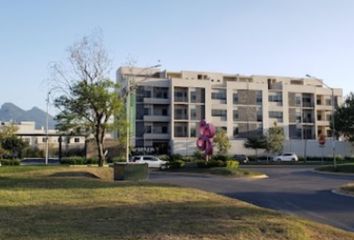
(99, 143)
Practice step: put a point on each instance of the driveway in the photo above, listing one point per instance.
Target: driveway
(290, 189)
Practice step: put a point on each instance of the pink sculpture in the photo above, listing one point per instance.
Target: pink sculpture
(206, 132)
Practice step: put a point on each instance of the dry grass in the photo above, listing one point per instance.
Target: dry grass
(37, 204)
(348, 188)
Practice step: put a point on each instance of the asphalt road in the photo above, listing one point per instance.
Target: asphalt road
(290, 189)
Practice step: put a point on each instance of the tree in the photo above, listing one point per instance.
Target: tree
(222, 141)
(10, 144)
(88, 99)
(275, 139)
(344, 118)
(256, 142)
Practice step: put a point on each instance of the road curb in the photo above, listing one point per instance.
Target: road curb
(262, 176)
(342, 193)
(333, 173)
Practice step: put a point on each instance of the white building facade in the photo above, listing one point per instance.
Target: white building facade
(166, 107)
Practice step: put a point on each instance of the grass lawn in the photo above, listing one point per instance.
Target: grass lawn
(83, 203)
(344, 168)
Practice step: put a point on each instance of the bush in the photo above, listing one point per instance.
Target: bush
(176, 157)
(32, 152)
(197, 156)
(210, 164)
(176, 164)
(164, 157)
(222, 157)
(10, 162)
(91, 161)
(117, 159)
(75, 160)
(232, 164)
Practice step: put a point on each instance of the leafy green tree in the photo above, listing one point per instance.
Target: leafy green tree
(275, 139)
(344, 118)
(222, 141)
(256, 142)
(10, 144)
(88, 100)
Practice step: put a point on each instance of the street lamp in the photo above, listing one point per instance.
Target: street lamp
(129, 89)
(333, 122)
(46, 129)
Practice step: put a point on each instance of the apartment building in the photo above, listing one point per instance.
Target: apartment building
(166, 106)
(36, 138)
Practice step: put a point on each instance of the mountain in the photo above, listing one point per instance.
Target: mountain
(11, 112)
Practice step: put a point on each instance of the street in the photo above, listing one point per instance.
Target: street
(290, 189)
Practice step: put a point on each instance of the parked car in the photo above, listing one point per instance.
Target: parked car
(286, 157)
(152, 161)
(241, 158)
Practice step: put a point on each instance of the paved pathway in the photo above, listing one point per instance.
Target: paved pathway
(296, 190)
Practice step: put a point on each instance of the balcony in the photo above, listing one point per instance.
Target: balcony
(307, 104)
(156, 118)
(156, 100)
(157, 136)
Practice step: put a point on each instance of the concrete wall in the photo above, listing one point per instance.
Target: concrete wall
(301, 147)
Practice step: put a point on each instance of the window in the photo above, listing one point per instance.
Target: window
(277, 115)
(77, 140)
(148, 129)
(181, 112)
(219, 113)
(259, 115)
(329, 102)
(164, 112)
(278, 97)
(235, 98)
(164, 129)
(259, 97)
(297, 100)
(219, 94)
(236, 117)
(44, 139)
(146, 111)
(236, 131)
(197, 95)
(181, 94)
(181, 129)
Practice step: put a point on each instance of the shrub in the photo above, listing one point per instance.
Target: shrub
(117, 159)
(201, 164)
(10, 162)
(176, 164)
(164, 157)
(232, 164)
(197, 155)
(75, 160)
(91, 161)
(176, 157)
(222, 157)
(211, 164)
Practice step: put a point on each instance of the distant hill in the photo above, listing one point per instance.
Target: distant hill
(11, 112)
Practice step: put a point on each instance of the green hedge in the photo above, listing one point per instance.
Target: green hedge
(176, 164)
(345, 168)
(10, 162)
(221, 157)
(211, 163)
(76, 160)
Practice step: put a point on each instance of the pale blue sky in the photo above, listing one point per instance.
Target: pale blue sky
(273, 37)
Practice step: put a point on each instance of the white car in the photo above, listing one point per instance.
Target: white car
(152, 161)
(286, 157)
